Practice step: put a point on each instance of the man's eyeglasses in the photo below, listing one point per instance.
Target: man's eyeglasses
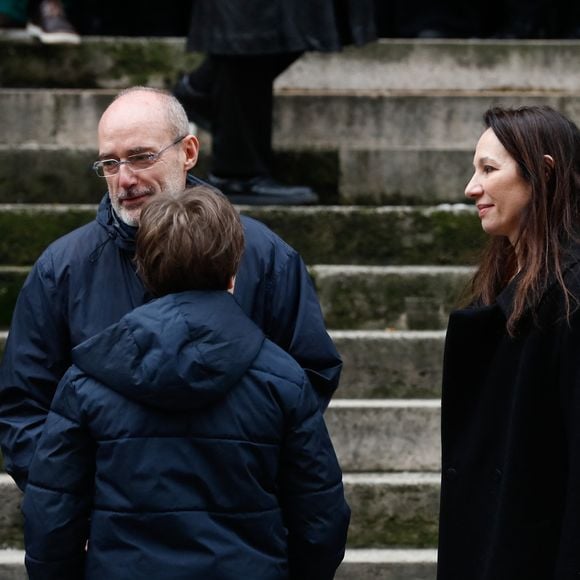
(138, 162)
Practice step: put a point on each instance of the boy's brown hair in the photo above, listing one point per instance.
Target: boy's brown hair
(192, 240)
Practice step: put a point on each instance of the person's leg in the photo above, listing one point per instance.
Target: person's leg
(194, 92)
(232, 97)
(243, 101)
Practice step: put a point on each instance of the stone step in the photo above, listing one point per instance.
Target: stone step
(63, 174)
(390, 364)
(332, 120)
(388, 510)
(421, 64)
(389, 297)
(442, 234)
(354, 176)
(10, 516)
(12, 565)
(382, 364)
(371, 148)
(384, 298)
(440, 64)
(386, 435)
(378, 564)
(357, 565)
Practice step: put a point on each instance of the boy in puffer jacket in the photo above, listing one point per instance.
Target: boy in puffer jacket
(183, 444)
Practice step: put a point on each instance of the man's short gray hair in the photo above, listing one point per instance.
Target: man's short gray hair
(177, 121)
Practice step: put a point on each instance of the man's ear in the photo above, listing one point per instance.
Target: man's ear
(191, 151)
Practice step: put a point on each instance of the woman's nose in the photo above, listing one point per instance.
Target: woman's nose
(473, 189)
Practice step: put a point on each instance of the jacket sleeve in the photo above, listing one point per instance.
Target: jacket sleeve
(58, 497)
(36, 356)
(289, 312)
(312, 495)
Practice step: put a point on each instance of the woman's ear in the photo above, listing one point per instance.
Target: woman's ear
(550, 163)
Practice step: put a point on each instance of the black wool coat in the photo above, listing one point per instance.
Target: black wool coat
(510, 492)
(251, 27)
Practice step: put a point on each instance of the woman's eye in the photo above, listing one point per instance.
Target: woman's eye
(487, 168)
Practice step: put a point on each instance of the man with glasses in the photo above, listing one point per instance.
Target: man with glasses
(86, 280)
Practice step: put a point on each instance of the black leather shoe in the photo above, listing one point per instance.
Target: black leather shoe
(263, 191)
(197, 104)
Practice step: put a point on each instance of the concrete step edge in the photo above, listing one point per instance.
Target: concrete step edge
(360, 555)
(387, 335)
(378, 555)
(385, 403)
(11, 556)
(290, 92)
(354, 269)
(374, 478)
(393, 478)
(427, 210)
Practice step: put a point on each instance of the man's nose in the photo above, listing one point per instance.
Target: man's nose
(125, 175)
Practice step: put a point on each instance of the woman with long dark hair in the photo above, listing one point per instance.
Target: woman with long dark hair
(510, 494)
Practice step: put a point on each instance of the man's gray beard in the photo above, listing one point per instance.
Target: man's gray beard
(173, 183)
(126, 217)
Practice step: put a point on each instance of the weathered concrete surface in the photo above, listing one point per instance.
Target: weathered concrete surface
(332, 120)
(389, 64)
(322, 234)
(355, 176)
(393, 510)
(381, 364)
(388, 510)
(391, 120)
(386, 435)
(12, 565)
(388, 565)
(427, 64)
(389, 297)
(357, 565)
(97, 62)
(10, 516)
(63, 175)
(385, 298)
(390, 364)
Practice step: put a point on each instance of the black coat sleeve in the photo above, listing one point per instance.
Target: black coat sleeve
(274, 288)
(58, 498)
(36, 356)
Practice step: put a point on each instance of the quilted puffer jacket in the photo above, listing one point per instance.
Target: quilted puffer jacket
(183, 444)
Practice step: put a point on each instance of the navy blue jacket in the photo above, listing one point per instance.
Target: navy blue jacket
(86, 281)
(183, 444)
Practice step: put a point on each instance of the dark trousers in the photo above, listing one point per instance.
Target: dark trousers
(242, 105)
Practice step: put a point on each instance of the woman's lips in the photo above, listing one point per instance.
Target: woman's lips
(483, 208)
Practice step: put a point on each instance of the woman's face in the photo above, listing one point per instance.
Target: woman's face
(499, 191)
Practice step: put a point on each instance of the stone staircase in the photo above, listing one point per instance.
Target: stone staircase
(386, 134)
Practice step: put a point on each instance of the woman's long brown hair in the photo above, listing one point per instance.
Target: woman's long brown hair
(551, 221)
